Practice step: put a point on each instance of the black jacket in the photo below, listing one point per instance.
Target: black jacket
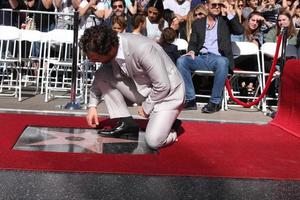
(225, 29)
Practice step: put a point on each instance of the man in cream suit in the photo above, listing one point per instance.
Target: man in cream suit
(136, 69)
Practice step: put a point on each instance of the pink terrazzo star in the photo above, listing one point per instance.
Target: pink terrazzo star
(89, 139)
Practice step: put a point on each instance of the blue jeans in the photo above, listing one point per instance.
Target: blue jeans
(209, 62)
(36, 45)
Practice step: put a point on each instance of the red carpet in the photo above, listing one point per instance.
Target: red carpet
(288, 116)
(205, 149)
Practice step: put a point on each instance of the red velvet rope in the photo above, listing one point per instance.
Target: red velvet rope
(268, 83)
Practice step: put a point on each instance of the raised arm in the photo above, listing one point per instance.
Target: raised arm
(133, 8)
(47, 3)
(76, 4)
(57, 3)
(13, 4)
(85, 7)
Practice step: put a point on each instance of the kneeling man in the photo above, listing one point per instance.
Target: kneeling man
(136, 69)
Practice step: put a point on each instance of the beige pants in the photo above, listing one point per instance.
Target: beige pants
(158, 131)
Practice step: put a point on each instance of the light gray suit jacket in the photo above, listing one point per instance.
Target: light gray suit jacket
(150, 68)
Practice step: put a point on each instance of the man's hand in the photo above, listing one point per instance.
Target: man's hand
(190, 53)
(142, 113)
(92, 117)
(227, 9)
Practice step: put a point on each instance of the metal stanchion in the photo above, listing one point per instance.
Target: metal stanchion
(282, 62)
(73, 105)
(283, 49)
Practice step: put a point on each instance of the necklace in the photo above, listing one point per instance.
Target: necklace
(211, 25)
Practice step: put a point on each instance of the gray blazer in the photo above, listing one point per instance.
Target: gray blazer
(149, 67)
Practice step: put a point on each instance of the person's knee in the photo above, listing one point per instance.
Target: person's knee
(222, 65)
(181, 62)
(153, 143)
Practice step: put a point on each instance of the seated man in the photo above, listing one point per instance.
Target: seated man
(210, 49)
(138, 69)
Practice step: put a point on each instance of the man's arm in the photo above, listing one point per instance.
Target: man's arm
(236, 28)
(47, 3)
(195, 39)
(13, 3)
(153, 63)
(57, 3)
(95, 97)
(30, 3)
(86, 6)
(76, 4)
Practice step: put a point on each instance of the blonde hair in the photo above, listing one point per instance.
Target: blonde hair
(190, 18)
(188, 25)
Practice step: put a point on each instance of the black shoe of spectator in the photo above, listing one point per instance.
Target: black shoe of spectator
(211, 108)
(190, 105)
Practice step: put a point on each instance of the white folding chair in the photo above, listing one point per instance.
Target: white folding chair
(182, 44)
(198, 95)
(32, 62)
(268, 50)
(58, 69)
(10, 60)
(244, 49)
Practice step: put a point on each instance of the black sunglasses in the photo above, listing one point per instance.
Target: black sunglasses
(117, 6)
(198, 14)
(217, 5)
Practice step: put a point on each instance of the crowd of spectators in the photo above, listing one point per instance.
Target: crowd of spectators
(166, 20)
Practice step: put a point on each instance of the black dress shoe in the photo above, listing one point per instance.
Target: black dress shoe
(176, 125)
(122, 130)
(190, 105)
(211, 108)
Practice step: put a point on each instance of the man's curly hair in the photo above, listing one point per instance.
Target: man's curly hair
(99, 39)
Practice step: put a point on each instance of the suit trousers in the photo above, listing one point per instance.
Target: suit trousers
(115, 90)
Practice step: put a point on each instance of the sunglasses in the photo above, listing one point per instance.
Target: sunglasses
(154, 13)
(117, 6)
(241, 5)
(199, 14)
(217, 5)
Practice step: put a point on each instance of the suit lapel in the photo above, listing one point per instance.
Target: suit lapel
(219, 33)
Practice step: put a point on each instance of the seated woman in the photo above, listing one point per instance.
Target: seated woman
(252, 34)
(198, 12)
(284, 19)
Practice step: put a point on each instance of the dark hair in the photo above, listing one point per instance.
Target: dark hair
(291, 30)
(249, 32)
(100, 39)
(113, 1)
(121, 20)
(137, 19)
(168, 35)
